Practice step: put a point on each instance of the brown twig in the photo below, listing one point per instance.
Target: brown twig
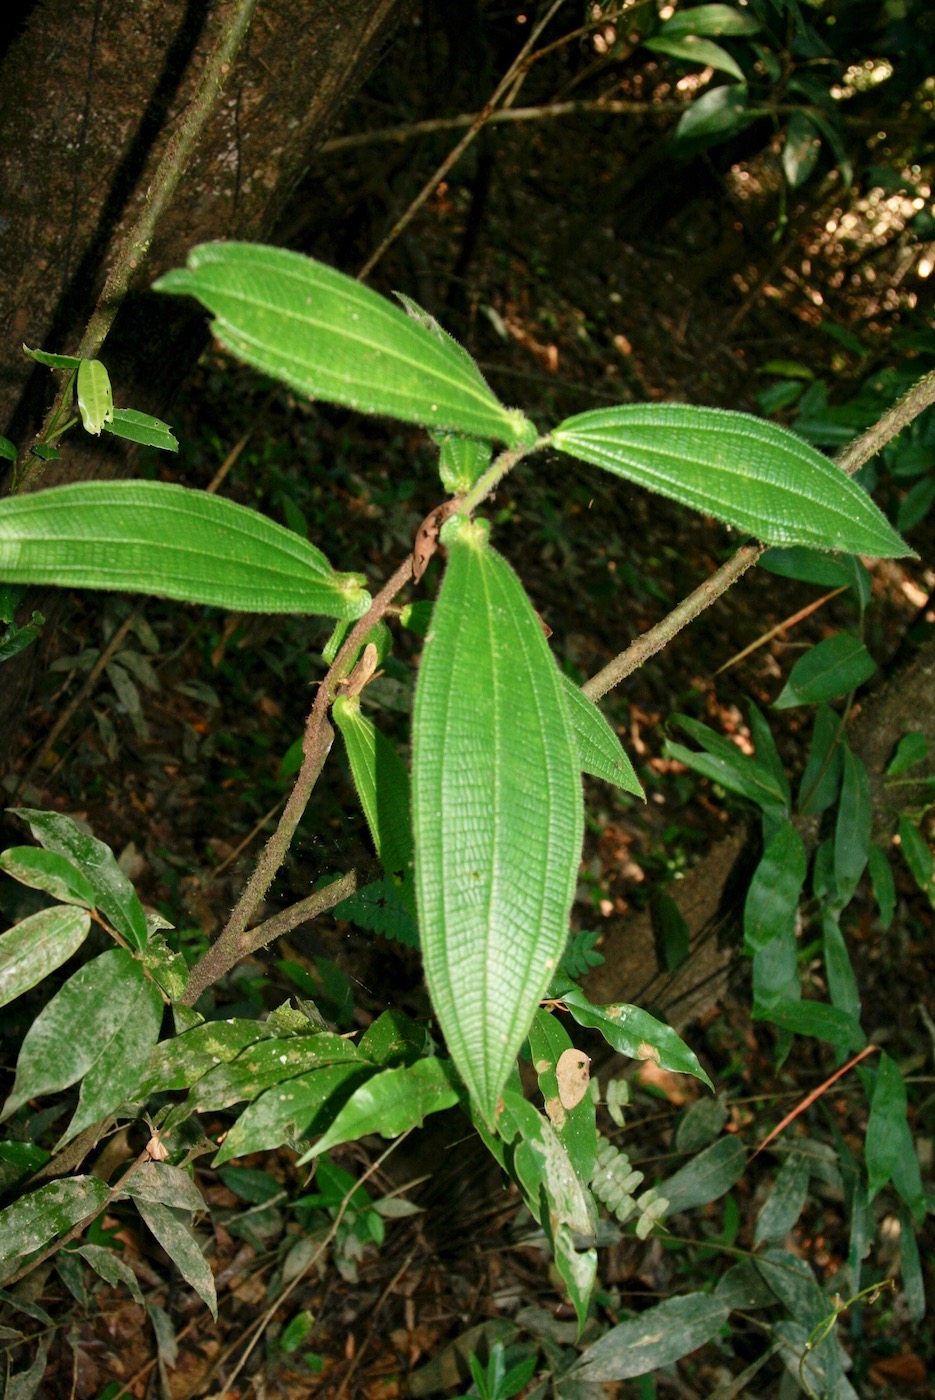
(810, 1098)
(233, 943)
(454, 155)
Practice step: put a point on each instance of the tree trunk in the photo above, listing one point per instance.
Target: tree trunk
(90, 96)
(711, 897)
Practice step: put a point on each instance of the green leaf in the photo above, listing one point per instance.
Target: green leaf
(556, 1197)
(378, 909)
(800, 149)
(182, 1061)
(884, 1141)
(49, 872)
(842, 981)
(707, 1177)
(852, 829)
(785, 1203)
(806, 565)
(821, 780)
(34, 1220)
(717, 114)
(394, 1039)
(575, 1124)
(142, 428)
(695, 50)
(814, 1018)
(657, 1337)
(294, 1110)
(884, 885)
(114, 896)
(723, 762)
(910, 1266)
(327, 336)
(391, 1103)
(918, 856)
(767, 755)
(634, 1032)
(43, 357)
(775, 890)
(172, 1231)
(462, 461)
(166, 1185)
(497, 811)
(670, 931)
(716, 21)
(112, 1269)
(833, 667)
(775, 973)
(100, 1027)
(95, 397)
(701, 1124)
(910, 750)
(796, 1287)
(751, 474)
(37, 946)
(7, 450)
(269, 1062)
(600, 751)
(152, 537)
(166, 967)
(382, 783)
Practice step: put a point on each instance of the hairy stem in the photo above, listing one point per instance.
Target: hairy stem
(234, 941)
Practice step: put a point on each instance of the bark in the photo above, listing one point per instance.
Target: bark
(90, 95)
(711, 896)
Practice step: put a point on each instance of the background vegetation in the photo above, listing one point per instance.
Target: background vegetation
(733, 210)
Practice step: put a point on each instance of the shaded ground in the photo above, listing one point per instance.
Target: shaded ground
(571, 300)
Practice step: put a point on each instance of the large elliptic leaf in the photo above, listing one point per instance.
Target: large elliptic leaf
(327, 336)
(751, 474)
(497, 811)
(152, 537)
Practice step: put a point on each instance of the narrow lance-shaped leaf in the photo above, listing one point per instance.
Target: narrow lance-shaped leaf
(327, 336)
(497, 811)
(382, 784)
(152, 537)
(600, 751)
(773, 897)
(751, 474)
(139, 427)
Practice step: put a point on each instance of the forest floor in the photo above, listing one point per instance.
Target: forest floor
(175, 757)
